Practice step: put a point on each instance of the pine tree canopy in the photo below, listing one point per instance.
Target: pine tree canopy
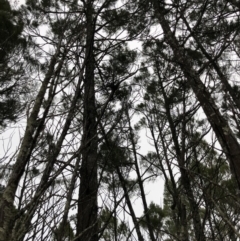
(119, 120)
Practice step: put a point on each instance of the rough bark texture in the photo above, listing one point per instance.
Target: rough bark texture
(87, 203)
(219, 125)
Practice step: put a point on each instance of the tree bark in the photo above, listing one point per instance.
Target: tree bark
(87, 227)
(219, 125)
(7, 209)
(214, 62)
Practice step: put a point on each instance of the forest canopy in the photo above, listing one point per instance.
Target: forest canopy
(104, 102)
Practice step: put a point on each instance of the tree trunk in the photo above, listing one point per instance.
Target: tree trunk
(140, 182)
(227, 88)
(129, 204)
(219, 125)
(185, 179)
(7, 209)
(87, 227)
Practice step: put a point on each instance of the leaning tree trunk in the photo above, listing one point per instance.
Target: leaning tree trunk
(87, 201)
(219, 125)
(8, 213)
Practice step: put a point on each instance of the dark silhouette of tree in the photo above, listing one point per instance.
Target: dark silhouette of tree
(12, 45)
(104, 77)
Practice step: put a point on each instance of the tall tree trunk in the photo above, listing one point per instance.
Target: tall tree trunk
(87, 228)
(7, 210)
(214, 62)
(219, 125)
(185, 179)
(129, 204)
(140, 182)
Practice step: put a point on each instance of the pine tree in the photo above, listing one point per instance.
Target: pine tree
(72, 41)
(115, 229)
(220, 126)
(78, 169)
(12, 45)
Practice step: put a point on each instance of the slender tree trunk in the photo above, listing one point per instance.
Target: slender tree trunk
(219, 125)
(60, 234)
(140, 182)
(7, 210)
(87, 227)
(129, 204)
(199, 234)
(115, 209)
(226, 86)
(23, 222)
